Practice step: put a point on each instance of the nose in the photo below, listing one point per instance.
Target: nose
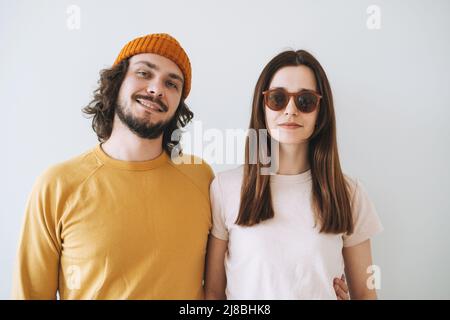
(291, 108)
(154, 88)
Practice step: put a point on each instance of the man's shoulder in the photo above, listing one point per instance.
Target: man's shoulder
(193, 168)
(71, 171)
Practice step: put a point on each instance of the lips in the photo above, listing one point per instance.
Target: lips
(290, 125)
(149, 105)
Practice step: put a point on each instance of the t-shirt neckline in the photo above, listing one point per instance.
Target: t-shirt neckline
(130, 165)
(291, 179)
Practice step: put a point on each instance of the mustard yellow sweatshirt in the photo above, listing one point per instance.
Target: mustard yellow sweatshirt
(100, 228)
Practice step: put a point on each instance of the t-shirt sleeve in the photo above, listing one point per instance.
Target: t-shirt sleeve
(219, 229)
(366, 220)
(36, 268)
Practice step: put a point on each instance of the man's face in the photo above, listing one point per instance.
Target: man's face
(150, 94)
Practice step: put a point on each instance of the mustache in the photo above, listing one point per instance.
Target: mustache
(154, 100)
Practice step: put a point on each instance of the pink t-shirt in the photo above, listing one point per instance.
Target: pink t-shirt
(284, 257)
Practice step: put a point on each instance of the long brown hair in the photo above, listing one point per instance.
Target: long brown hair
(330, 191)
(102, 108)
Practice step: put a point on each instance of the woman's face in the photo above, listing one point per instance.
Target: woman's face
(289, 125)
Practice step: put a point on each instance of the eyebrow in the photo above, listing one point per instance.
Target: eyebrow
(155, 67)
(301, 89)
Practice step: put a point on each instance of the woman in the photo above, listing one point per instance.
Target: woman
(291, 234)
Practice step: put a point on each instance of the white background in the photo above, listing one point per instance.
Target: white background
(391, 89)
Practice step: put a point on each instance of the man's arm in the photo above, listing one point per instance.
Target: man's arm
(36, 269)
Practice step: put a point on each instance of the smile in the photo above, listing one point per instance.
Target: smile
(149, 105)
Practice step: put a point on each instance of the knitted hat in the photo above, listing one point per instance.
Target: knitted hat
(164, 45)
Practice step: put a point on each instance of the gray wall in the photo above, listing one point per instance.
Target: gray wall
(391, 88)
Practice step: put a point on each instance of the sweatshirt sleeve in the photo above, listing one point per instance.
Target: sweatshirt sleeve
(37, 264)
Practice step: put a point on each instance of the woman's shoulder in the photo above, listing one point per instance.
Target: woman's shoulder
(352, 183)
(229, 180)
(231, 176)
(358, 192)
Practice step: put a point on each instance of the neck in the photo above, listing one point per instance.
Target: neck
(124, 145)
(293, 159)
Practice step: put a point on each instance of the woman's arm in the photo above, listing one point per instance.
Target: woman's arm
(357, 259)
(215, 279)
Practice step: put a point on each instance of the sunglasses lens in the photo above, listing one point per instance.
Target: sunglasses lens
(276, 100)
(307, 102)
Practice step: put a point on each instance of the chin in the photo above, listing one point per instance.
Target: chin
(290, 139)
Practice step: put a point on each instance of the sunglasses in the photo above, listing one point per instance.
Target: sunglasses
(306, 101)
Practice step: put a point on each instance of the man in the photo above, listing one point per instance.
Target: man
(122, 221)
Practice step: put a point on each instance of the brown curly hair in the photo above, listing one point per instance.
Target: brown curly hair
(102, 108)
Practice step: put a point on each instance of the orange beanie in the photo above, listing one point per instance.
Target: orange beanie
(163, 45)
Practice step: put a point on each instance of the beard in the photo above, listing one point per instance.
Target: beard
(141, 127)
